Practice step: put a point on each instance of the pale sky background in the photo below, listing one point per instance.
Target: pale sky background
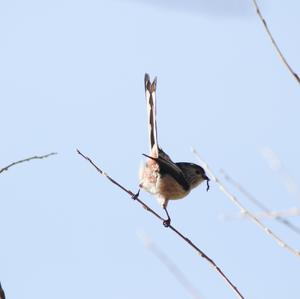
(71, 76)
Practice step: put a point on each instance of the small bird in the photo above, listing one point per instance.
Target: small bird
(161, 176)
(2, 295)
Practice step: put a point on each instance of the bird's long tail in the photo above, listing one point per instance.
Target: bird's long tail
(150, 92)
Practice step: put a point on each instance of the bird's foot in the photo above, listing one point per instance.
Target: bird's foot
(167, 222)
(136, 195)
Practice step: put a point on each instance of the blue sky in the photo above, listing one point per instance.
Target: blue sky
(71, 76)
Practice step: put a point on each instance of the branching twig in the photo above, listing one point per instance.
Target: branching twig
(293, 212)
(25, 160)
(171, 227)
(243, 210)
(281, 56)
(277, 165)
(170, 265)
(267, 212)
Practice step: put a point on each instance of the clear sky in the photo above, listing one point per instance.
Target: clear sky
(71, 76)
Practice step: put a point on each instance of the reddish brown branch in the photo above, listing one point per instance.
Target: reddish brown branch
(275, 45)
(25, 160)
(188, 241)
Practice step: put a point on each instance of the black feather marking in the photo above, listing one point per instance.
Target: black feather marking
(2, 294)
(170, 168)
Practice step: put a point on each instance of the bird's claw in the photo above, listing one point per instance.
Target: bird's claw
(136, 195)
(167, 222)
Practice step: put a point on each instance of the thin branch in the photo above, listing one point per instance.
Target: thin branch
(170, 265)
(243, 210)
(267, 211)
(277, 165)
(171, 227)
(278, 51)
(293, 212)
(25, 160)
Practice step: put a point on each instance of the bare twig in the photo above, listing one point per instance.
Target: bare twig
(243, 210)
(293, 212)
(2, 294)
(267, 212)
(170, 265)
(277, 165)
(171, 227)
(281, 56)
(25, 160)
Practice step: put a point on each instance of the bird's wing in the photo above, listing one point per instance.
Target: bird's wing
(167, 166)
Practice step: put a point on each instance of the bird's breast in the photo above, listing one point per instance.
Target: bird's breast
(169, 188)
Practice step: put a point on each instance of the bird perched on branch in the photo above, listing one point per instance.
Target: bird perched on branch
(160, 176)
